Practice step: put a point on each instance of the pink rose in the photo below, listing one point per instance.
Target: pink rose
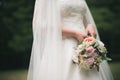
(89, 41)
(94, 55)
(90, 51)
(89, 61)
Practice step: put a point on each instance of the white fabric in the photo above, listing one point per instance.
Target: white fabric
(45, 63)
(51, 54)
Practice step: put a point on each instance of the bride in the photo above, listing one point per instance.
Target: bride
(58, 25)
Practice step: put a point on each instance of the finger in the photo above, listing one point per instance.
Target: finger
(93, 35)
(84, 35)
(80, 39)
(87, 31)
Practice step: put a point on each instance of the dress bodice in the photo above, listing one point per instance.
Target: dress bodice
(72, 12)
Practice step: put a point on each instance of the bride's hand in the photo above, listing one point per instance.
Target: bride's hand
(73, 33)
(90, 30)
(79, 35)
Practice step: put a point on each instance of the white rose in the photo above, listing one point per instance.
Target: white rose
(80, 48)
(100, 43)
(101, 47)
(75, 58)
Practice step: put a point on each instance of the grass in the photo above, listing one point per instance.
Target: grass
(13, 75)
(22, 74)
(115, 67)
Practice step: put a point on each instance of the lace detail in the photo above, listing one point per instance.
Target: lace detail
(72, 12)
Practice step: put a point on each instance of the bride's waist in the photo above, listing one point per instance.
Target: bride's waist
(73, 25)
(78, 23)
(69, 39)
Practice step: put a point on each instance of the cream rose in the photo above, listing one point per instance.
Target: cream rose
(89, 41)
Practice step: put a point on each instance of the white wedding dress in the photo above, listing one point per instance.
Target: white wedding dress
(72, 15)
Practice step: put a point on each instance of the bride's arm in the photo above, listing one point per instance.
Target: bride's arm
(90, 30)
(73, 33)
(68, 32)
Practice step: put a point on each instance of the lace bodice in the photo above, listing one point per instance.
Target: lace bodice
(72, 12)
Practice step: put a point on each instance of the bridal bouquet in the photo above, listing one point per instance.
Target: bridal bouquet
(90, 53)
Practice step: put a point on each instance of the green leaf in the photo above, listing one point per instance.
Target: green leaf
(108, 59)
(80, 42)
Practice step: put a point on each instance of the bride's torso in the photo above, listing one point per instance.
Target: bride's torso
(72, 12)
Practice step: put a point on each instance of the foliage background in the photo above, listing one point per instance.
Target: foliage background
(16, 30)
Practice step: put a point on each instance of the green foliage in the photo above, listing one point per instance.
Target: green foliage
(17, 19)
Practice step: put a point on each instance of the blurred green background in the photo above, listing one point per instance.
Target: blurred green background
(16, 34)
